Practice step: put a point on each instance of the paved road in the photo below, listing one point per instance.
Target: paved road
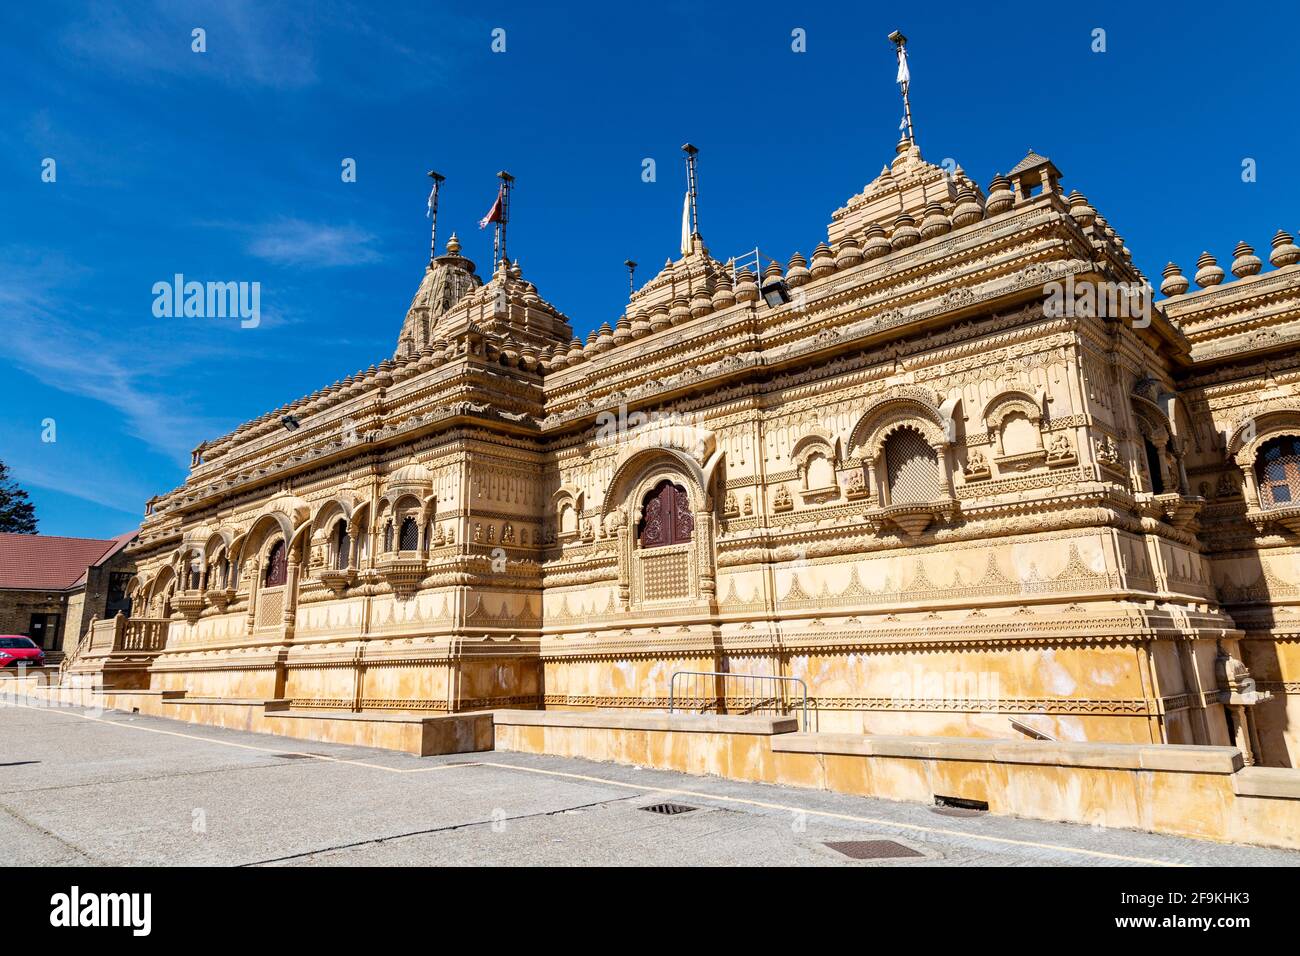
(113, 788)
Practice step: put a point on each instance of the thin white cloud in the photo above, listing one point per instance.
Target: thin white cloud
(247, 44)
(293, 242)
(76, 360)
(127, 500)
(341, 45)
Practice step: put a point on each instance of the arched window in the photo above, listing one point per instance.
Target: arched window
(410, 536)
(820, 472)
(277, 565)
(1019, 434)
(666, 517)
(1278, 470)
(568, 519)
(912, 468)
(388, 537)
(341, 546)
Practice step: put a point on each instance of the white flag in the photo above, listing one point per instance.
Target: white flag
(904, 75)
(902, 124)
(686, 223)
(429, 214)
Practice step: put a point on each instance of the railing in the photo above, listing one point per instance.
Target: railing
(118, 633)
(145, 634)
(709, 692)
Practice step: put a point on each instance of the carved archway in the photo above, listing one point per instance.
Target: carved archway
(680, 572)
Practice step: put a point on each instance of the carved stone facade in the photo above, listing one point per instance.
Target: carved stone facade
(947, 505)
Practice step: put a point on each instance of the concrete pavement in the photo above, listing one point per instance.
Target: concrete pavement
(78, 788)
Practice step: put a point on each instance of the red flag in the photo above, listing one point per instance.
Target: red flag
(494, 214)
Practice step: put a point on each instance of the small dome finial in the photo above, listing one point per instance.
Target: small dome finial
(1208, 272)
(453, 246)
(1244, 261)
(1174, 283)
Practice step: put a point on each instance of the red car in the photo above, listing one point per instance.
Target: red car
(16, 649)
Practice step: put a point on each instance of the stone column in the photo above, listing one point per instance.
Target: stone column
(704, 554)
(291, 593)
(945, 469)
(1250, 490)
(1242, 743)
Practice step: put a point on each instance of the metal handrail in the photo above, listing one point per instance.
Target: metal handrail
(778, 702)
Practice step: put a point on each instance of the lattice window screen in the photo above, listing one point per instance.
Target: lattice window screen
(410, 538)
(270, 607)
(913, 468)
(1279, 472)
(665, 575)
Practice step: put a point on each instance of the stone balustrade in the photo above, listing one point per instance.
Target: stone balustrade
(120, 649)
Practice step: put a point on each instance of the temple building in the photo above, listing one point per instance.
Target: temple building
(939, 469)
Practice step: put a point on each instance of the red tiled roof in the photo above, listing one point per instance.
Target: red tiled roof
(38, 562)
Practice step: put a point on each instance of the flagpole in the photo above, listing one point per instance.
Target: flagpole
(506, 182)
(904, 80)
(691, 152)
(438, 179)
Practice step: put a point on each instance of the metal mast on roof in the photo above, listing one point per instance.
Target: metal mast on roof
(438, 179)
(507, 181)
(904, 80)
(691, 153)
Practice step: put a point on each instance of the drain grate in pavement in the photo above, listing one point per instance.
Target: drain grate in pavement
(669, 809)
(873, 849)
(959, 807)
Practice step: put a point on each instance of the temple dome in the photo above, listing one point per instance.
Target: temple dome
(447, 280)
(413, 477)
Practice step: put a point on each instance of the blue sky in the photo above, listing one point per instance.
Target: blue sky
(225, 166)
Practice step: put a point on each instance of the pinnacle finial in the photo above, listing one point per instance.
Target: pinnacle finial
(1244, 261)
(1208, 272)
(1174, 282)
(1284, 251)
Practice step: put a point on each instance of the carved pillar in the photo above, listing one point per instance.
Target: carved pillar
(945, 469)
(876, 480)
(704, 554)
(1250, 490)
(250, 572)
(624, 567)
(1243, 742)
(291, 594)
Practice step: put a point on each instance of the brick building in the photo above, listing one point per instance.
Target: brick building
(50, 586)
